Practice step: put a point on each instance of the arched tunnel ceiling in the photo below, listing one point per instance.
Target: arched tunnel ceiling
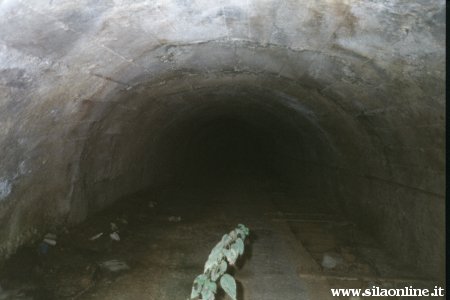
(78, 78)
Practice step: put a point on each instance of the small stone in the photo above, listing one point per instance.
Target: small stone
(50, 236)
(114, 265)
(96, 236)
(174, 219)
(330, 261)
(114, 226)
(50, 242)
(115, 236)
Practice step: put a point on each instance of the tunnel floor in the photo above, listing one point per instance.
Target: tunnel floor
(166, 236)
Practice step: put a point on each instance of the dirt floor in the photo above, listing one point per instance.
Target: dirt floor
(298, 248)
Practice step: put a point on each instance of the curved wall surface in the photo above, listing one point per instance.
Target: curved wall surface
(345, 98)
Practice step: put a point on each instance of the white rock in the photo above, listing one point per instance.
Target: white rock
(174, 219)
(330, 261)
(114, 226)
(96, 236)
(50, 242)
(50, 236)
(115, 265)
(115, 236)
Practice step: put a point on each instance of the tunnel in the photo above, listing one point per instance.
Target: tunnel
(320, 125)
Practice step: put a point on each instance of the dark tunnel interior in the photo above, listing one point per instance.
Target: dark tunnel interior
(205, 159)
(213, 136)
(229, 138)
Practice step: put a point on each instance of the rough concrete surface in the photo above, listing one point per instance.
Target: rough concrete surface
(342, 99)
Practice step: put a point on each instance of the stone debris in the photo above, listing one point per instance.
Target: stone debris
(330, 261)
(114, 265)
(50, 239)
(152, 204)
(50, 236)
(114, 226)
(50, 242)
(96, 236)
(174, 219)
(115, 236)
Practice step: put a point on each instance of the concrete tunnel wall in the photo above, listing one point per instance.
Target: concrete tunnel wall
(350, 92)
